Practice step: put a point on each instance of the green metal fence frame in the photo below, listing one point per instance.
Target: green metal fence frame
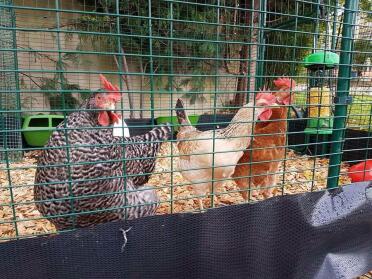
(343, 88)
(343, 85)
(9, 154)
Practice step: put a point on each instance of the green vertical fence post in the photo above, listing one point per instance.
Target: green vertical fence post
(334, 28)
(343, 86)
(151, 64)
(62, 89)
(17, 154)
(261, 45)
(215, 104)
(171, 90)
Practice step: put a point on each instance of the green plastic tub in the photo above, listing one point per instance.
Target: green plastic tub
(328, 59)
(38, 128)
(173, 119)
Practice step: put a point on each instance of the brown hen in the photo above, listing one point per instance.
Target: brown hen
(212, 155)
(259, 165)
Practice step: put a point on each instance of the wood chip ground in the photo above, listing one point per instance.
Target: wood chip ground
(302, 174)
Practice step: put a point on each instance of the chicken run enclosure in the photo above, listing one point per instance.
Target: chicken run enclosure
(227, 102)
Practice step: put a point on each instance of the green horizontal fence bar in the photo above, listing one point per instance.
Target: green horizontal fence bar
(215, 56)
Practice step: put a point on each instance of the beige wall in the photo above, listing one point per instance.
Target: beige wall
(34, 100)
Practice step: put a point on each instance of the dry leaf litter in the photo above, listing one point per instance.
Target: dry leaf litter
(302, 174)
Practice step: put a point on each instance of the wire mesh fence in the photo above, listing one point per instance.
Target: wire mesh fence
(10, 139)
(216, 56)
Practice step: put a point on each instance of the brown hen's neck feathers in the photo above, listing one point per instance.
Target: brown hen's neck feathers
(278, 113)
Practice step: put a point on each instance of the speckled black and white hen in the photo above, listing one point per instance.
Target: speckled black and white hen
(81, 179)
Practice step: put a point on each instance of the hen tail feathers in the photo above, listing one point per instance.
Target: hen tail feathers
(181, 113)
(163, 132)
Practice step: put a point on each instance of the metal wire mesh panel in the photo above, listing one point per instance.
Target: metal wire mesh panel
(10, 136)
(359, 76)
(266, 86)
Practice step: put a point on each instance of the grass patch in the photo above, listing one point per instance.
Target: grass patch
(359, 112)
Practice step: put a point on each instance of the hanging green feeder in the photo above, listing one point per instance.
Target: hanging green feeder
(327, 60)
(321, 74)
(321, 69)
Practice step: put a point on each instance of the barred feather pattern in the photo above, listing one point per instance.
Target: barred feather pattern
(140, 153)
(81, 179)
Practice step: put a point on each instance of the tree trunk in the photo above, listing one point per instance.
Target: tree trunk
(142, 97)
(124, 67)
(124, 77)
(242, 85)
(245, 84)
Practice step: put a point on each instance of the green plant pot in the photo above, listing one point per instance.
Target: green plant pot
(38, 128)
(173, 120)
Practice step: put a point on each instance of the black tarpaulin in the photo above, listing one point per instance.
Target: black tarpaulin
(314, 235)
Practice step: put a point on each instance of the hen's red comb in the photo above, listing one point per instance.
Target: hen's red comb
(113, 89)
(108, 85)
(268, 97)
(284, 83)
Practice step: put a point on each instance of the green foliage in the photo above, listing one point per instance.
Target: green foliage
(138, 43)
(362, 51)
(366, 6)
(58, 90)
(197, 84)
(286, 50)
(96, 24)
(182, 37)
(59, 93)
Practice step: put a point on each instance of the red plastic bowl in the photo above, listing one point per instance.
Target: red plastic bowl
(361, 172)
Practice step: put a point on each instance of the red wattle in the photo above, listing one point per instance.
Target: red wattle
(115, 118)
(103, 118)
(265, 115)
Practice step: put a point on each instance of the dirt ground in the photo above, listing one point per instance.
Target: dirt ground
(302, 174)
